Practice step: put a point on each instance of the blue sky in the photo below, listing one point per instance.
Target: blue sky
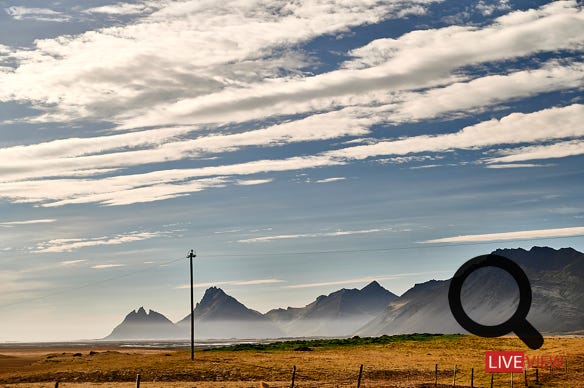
(297, 147)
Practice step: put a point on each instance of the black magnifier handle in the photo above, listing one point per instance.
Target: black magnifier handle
(529, 335)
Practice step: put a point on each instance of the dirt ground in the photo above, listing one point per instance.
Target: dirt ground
(400, 364)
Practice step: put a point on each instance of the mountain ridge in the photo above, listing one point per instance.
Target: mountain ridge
(555, 276)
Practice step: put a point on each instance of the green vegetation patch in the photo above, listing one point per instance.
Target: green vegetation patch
(337, 342)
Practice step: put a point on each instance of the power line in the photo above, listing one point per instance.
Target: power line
(289, 253)
(90, 284)
(388, 249)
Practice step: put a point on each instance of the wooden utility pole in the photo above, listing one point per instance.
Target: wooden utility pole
(191, 256)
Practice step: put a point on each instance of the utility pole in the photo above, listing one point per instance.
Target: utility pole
(191, 256)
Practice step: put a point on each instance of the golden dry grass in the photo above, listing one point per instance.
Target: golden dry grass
(399, 364)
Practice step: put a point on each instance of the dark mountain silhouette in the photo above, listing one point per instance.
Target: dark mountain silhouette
(219, 315)
(336, 314)
(490, 296)
(139, 325)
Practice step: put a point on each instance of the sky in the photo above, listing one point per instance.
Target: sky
(298, 147)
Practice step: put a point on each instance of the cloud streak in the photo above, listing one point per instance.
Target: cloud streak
(10, 224)
(362, 280)
(255, 282)
(519, 235)
(337, 233)
(72, 244)
(106, 266)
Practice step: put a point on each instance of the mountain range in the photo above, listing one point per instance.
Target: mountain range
(489, 297)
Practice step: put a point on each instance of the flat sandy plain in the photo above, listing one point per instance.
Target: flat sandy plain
(405, 361)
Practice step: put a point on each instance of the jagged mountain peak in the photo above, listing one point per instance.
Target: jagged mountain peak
(338, 313)
(374, 288)
(139, 324)
(374, 285)
(556, 282)
(542, 258)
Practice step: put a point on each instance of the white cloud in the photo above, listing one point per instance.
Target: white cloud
(27, 222)
(38, 14)
(487, 8)
(121, 72)
(252, 182)
(78, 157)
(105, 266)
(122, 9)
(229, 35)
(312, 235)
(544, 125)
(328, 180)
(537, 152)
(524, 234)
(547, 124)
(68, 263)
(239, 78)
(363, 280)
(518, 165)
(153, 186)
(71, 244)
(255, 282)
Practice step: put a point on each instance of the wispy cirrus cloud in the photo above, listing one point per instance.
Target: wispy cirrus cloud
(336, 233)
(362, 280)
(255, 282)
(519, 165)
(10, 224)
(516, 128)
(68, 263)
(124, 8)
(524, 234)
(72, 244)
(37, 14)
(253, 182)
(539, 152)
(329, 180)
(106, 266)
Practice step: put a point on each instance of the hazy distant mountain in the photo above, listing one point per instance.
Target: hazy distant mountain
(139, 325)
(219, 315)
(337, 314)
(557, 282)
(490, 296)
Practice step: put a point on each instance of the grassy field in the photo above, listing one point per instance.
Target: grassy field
(400, 361)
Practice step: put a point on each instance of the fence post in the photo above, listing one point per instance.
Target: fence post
(436, 375)
(511, 379)
(471, 377)
(360, 374)
(536, 375)
(293, 376)
(138, 380)
(454, 377)
(525, 377)
(56, 384)
(492, 377)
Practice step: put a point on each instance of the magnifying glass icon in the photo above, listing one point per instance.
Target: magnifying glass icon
(517, 323)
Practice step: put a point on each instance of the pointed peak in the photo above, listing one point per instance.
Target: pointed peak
(214, 291)
(141, 311)
(372, 286)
